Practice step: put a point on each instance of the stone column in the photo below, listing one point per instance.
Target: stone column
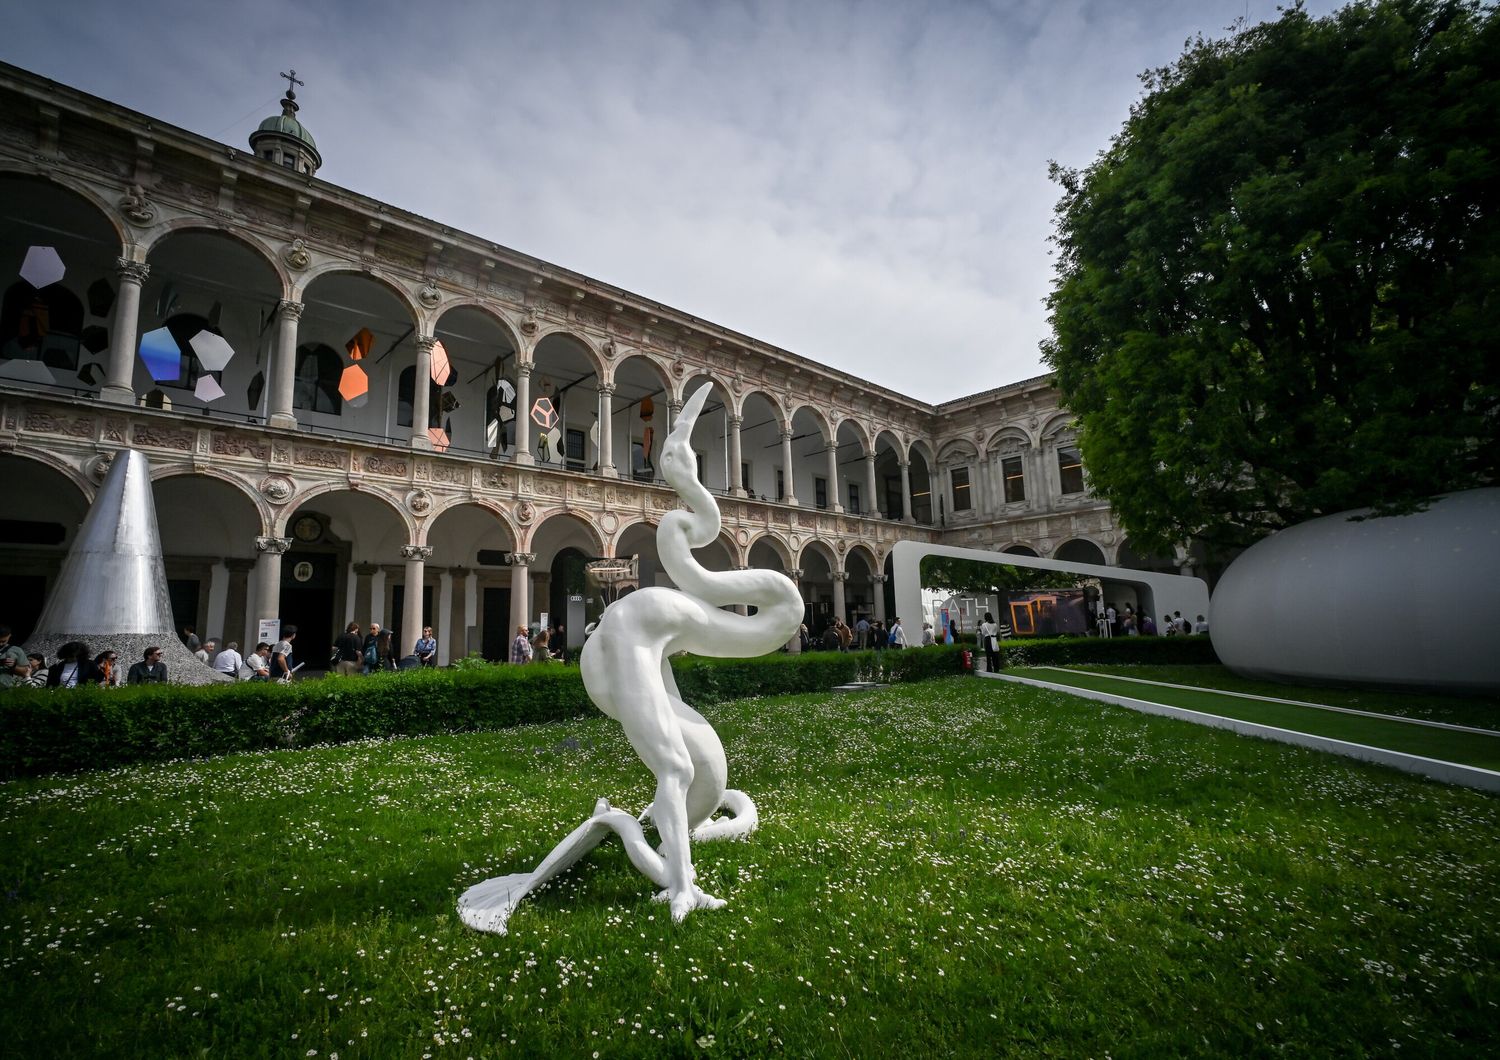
(786, 467)
(119, 380)
(416, 557)
(283, 367)
(736, 477)
(870, 505)
(456, 636)
(833, 478)
(421, 397)
(268, 577)
(607, 431)
(742, 609)
(442, 616)
(237, 601)
(523, 413)
(520, 591)
(877, 584)
(363, 587)
(906, 515)
(839, 577)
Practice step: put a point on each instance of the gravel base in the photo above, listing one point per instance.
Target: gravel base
(183, 667)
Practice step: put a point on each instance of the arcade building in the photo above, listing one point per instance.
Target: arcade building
(354, 413)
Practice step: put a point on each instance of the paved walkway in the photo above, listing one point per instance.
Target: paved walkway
(1456, 754)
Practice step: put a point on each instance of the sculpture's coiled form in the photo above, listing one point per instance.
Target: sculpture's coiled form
(627, 674)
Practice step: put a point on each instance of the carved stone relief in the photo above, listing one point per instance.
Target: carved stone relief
(276, 488)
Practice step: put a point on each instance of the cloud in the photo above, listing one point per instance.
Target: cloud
(863, 184)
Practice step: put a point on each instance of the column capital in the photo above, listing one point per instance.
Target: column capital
(736, 421)
(522, 559)
(877, 578)
(132, 271)
(786, 434)
(840, 575)
(904, 465)
(366, 570)
(607, 389)
(675, 406)
(796, 574)
(416, 552)
(274, 545)
(289, 310)
(523, 368)
(426, 342)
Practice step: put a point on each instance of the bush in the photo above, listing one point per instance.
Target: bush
(1145, 651)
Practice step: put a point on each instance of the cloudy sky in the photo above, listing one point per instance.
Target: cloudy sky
(862, 183)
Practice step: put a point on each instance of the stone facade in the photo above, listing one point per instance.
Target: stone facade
(819, 472)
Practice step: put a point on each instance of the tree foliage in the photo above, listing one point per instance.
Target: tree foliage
(981, 578)
(1276, 294)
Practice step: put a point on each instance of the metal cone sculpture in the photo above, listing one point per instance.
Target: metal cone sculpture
(112, 592)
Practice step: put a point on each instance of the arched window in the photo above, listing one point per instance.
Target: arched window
(406, 393)
(316, 387)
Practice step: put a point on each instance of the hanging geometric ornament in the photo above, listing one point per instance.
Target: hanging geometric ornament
(161, 355)
(359, 347)
(543, 414)
(439, 439)
(208, 389)
(95, 339)
(442, 367)
(353, 383)
(213, 352)
(255, 390)
(91, 374)
(101, 298)
(42, 266)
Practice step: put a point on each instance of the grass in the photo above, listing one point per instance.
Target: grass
(958, 867)
(1481, 712)
(1446, 745)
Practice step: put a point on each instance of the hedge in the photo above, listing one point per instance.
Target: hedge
(44, 731)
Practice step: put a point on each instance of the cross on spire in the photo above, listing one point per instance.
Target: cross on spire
(291, 81)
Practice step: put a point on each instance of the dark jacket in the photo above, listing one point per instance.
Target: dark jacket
(348, 647)
(143, 673)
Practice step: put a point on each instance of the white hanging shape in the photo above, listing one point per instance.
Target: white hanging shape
(213, 352)
(42, 266)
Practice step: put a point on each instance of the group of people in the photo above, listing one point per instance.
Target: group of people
(1127, 623)
(838, 635)
(377, 651)
(76, 666)
(540, 644)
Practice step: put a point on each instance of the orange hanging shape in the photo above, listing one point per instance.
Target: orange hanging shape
(360, 346)
(353, 383)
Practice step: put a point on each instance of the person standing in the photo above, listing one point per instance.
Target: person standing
(928, 637)
(520, 648)
(541, 645)
(1201, 626)
(281, 655)
(426, 649)
(370, 650)
(385, 650)
(150, 670)
(229, 660)
(898, 634)
(862, 632)
(989, 640)
(878, 636)
(348, 651)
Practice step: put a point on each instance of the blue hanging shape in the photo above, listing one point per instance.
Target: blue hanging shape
(161, 355)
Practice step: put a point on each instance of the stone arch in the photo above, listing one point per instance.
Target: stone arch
(499, 319)
(491, 508)
(769, 540)
(1081, 550)
(482, 352)
(590, 349)
(305, 282)
(263, 510)
(861, 431)
(107, 211)
(1021, 548)
(305, 497)
(46, 502)
(187, 225)
(86, 486)
(772, 402)
(817, 546)
(711, 432)
(1056, 425)
(956, 450)
(819, 417)
(866, 553)
(567, 527)
(1010, 436)
(922, 474)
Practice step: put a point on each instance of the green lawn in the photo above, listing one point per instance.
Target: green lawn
(1445, 744)
(962, 866)
(1479, 711)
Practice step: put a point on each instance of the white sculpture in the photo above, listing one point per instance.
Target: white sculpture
(628, 676)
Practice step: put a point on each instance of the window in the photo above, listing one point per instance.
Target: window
(780, 484)
(576, 452)
(895, 504)
(290, 161)
(961, 499)
(1070, 469)
(853, 505)
(640, 469)
(1015, 479)
(316, 385)
(698, 460)
(268, 155)
(820, 492)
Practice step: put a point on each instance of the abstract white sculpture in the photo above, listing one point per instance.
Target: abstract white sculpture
(628, 676)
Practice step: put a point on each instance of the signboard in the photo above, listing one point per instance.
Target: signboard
(270, 630)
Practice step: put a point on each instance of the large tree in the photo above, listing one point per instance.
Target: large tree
(1276, 294)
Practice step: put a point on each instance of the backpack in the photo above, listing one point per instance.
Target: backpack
(891, 636)
(372, 655)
